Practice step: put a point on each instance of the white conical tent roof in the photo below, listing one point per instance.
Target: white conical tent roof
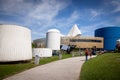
(74, 31)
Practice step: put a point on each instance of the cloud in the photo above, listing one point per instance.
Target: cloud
(62, 24)
(88, 20)
(15, 7)
(42, 10)
(89, 29)
(111, 6)
(116, 3)
(95, 14)
(41, 15)
(66, 22)
(37, 34)
(48, 9)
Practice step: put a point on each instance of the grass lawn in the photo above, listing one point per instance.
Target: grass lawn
(102, 67)
(10, 69)
(54, 58)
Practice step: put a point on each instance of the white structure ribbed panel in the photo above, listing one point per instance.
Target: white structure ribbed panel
(74, 31)
(15, 43)
(42, 52)
(53, 39)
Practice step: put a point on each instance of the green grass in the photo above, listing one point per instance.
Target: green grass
(54, 58)
(102, 67)
(10, 69)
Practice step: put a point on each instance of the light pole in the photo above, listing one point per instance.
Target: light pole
(79, 51)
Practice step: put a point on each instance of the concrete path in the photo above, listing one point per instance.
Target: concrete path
(66, 69)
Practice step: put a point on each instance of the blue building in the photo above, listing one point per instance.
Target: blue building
(110, 35)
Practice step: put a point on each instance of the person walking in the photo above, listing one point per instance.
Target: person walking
(90, 53)
(86, 54)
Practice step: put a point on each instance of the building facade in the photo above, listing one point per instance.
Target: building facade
(75, 37)
(83, 42)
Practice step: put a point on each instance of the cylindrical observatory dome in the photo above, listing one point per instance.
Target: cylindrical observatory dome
(15, 43)
(53, 39)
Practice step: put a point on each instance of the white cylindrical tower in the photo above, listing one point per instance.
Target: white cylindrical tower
(15, 43)
(53, 39)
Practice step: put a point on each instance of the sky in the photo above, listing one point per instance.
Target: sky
(41, 15)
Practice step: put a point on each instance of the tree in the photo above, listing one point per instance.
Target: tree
(33, 45)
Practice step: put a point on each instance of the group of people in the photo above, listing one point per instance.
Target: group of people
(88, 52)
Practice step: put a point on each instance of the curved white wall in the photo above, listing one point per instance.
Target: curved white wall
(53, 39)
(42, 52)
(15, 43)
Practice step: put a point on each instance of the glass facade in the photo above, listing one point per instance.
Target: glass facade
(85, 40)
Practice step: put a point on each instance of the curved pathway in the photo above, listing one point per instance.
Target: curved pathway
(66, 69)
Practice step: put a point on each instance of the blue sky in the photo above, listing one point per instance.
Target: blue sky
(42, 15)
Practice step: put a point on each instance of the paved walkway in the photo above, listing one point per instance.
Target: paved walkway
(66, 69)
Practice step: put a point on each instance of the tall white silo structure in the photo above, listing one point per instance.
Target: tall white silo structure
(15, 43)
(53, 39)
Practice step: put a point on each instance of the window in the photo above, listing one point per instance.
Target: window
(85, 40)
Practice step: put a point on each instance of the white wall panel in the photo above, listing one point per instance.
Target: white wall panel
(42, 52)
(15, 43)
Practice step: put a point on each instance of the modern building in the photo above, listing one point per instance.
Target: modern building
(110, 35)
(75, 37)
(83, 42)
(15, 43)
